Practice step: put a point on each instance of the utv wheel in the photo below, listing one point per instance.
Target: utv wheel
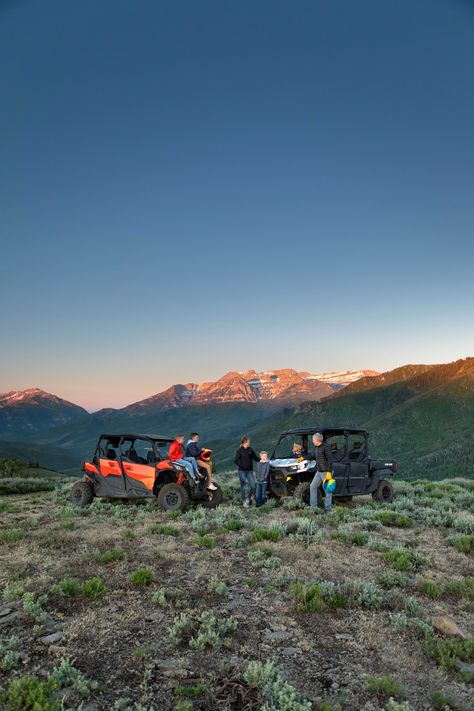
(172, 497)
(82, 494)
(384, 492)
(212, 499)
(302, 493)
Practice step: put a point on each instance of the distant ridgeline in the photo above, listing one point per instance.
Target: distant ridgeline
(419, 414)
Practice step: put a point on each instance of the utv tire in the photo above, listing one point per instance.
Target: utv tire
(384, 492)
(213, 498)
(173, 497)
(82, 494)
(302, 493)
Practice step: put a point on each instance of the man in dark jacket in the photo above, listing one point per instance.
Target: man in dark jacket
(244, 459)
(323, 456)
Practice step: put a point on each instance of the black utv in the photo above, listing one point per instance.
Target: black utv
(356, 474)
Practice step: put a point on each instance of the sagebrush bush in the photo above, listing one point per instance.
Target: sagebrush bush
(33, 605)
(66, 674)
(464, 544)
(394, 518)
(31, 694)
(67, 587)
(279, 695)
(262, 557)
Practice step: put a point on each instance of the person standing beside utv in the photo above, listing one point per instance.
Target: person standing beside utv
(323, 456)
(261, 476)
(244, 459)
(194, 450)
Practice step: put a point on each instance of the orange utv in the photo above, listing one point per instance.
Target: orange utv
(137, 466)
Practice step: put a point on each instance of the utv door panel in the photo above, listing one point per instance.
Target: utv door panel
(111, 483)
(358, 477)
(140, 477)
(340, 470)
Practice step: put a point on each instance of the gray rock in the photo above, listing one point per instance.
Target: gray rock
(465, 667)
(290, 651)
(277, 635)
(5, 611)
(51, 638)
(344, 636)
(8, 618)
(90, 707)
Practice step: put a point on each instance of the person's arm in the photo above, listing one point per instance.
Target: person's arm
(237, 458)
(254, 457)
(329, 458)
(173, 451)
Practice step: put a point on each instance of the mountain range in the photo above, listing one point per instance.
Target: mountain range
(420, 414)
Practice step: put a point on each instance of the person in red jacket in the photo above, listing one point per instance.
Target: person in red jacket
(176, 453)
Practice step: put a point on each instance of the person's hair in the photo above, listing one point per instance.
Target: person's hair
(297, 445)
(180, 434)
(194, 434)
(244, 440)
(264, 453)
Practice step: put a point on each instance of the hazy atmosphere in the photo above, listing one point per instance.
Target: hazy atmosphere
(176, 175)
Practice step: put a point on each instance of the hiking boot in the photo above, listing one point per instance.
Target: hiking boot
(246, 504)
(212, 487)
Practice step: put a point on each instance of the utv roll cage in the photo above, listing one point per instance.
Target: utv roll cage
(306, 433)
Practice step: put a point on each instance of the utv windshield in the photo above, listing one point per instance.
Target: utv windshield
(289, 446)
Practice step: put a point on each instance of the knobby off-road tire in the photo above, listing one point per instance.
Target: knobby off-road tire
(172, 497)
(213, 498)
(384, 492)
(301, 492)
(82, 494)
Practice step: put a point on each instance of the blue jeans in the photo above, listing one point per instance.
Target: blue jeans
(261, 495)
(193, 463)
(188, 466)
(246, 478)
(318, 479)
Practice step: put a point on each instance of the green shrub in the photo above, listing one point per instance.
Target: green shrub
(31, 694)
(460, 587)
(262, 557)
(204, 542)
(164, 530)
(160, 597)
(447, 652)
(11, 536)
(180, 628)
(360, 538)
(93, 588)
(464, 544)
(142, 577)
(211, 631)
(442, 703)
(394, 518)
(109, 556)
(33, 606)
(191, 692)
(370, 595)
(402, 559)
(217, 586)
(279, 695)
(385, 686)
(429, 588)
(66, 675)
(233, 524)
(266, 534)
(13, 590)
(393, 579)
(67, 587)
(317, 597)
(7, 507)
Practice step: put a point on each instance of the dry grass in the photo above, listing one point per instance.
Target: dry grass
(120, 640)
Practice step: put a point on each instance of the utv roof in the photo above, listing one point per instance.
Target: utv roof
(150, 437)
(324, 430)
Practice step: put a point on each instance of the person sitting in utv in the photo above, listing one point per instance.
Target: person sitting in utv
(297, 451)
(109, 452)
(176, 454)
(193, 450)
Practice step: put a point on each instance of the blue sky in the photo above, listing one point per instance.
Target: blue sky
(188, 188)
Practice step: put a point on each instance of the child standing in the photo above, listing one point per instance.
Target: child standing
(261, 476)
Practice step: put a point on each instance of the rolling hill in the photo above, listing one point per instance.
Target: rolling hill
(30, 411)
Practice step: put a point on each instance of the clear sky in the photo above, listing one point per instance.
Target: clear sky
(188, 188)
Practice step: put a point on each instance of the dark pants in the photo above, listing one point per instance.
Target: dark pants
(246, 478)
(261, 495)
